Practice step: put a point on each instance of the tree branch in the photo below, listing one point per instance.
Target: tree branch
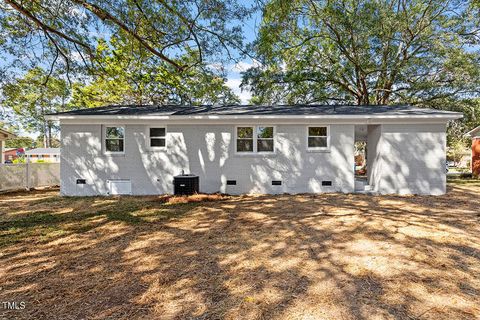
(22, 10)
(104, 15)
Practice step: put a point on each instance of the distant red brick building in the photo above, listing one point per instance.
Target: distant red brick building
(11, 154)
(476, 156)
(475, 135)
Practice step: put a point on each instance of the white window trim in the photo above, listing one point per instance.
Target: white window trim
(255, 139)
(318, 149)
(104, 140)
(147, 135)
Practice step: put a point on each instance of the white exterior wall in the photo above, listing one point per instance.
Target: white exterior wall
(208, 151)
(373, 153)
(408, 159)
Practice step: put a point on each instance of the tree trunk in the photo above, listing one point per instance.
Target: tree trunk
(45, 132)
(49, 134)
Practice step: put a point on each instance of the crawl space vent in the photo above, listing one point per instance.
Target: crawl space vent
(118, 187)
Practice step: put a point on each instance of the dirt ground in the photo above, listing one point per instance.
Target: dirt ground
(331, 256)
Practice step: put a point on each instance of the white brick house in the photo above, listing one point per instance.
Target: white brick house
(256, 149)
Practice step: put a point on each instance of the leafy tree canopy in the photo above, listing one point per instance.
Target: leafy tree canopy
(69, 31)
(365, 52)
(32, 97)
(128, 74)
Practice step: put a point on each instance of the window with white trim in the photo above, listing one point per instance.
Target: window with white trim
(157, 137)
(255, 139)
(114, 139)
(317, 138)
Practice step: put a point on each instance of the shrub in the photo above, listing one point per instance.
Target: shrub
(19, 160)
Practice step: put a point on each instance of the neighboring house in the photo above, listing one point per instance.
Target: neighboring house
(475, 163)
(4, 135)
(43, 154)
(11, 154)
(462, 160)
(252, 149)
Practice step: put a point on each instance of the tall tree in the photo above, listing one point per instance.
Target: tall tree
(366, 52)
(32, 97)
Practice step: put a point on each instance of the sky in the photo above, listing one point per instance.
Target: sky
(234, 79)
(250, 29)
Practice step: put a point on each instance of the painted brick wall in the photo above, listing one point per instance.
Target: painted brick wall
(412, 159)
(208, 151)
(476, 156)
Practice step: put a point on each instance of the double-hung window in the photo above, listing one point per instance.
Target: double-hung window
(114, 139)
(255, 139)
(318, 138)
(157, 137)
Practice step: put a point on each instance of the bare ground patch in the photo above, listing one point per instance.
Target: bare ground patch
(329, 256)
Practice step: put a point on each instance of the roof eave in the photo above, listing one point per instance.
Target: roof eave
(444, 116)
(473, 133)
(4, 135)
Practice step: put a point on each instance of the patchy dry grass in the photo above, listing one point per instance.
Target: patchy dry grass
(330, 256)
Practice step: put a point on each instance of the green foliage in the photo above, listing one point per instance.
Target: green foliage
(456, 151)
(470, 107)
(19, 160)
(33, 96)
(365, 52)
(19, 142)
(127, 74)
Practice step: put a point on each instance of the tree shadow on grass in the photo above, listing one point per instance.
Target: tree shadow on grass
(53, 217)
(257, 257)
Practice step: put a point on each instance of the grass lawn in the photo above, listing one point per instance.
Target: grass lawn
(331, 256)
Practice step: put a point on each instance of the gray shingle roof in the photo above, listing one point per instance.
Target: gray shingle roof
(43, 151)
(253, 110)
(473, 133)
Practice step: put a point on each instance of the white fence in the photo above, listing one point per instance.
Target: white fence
(29, 175)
